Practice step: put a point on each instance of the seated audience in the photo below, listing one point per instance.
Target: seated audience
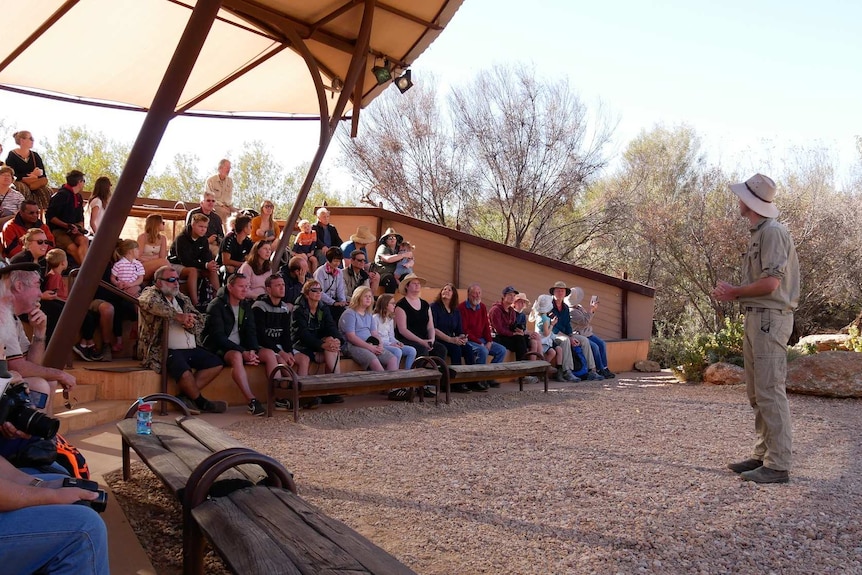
(581, 323)
(264, 226)
(10, 198)
(192, 366)
(14, 229)
(127, 272)
(30, 176)
(220, 186)
(405, 264)
(215, 226)
(231, 334)
(414, 327)
(563, 330)
(98, 203)
(504, 324)
(363, 340)
(355, 275)
(305, 244)
(384, 317)
(314, 334)
(331, 277)
(66, 217)
(450, 332)
(327, 235)
(236, 246)
(358, 241)
(295, 274)
(551, 347)
(153, 245)
(35, 245)
(191, 257)
(521, 303)
(477, 326)
(257, 268)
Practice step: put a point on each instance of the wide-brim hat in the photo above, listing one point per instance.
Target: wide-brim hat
(402, 287)
(758, 193)
(522, 296)
(575, 297)
(391, 232)
(558, 285)
(19, 267)
(363, 236)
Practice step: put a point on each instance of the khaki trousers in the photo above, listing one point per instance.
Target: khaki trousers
(765, 353)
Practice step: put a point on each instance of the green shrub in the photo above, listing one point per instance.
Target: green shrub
(688, 357)
(854, 343)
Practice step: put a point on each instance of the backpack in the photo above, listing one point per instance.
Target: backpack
(70, 458)
(579, 361)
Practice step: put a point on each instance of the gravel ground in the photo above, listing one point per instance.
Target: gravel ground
(626, 476)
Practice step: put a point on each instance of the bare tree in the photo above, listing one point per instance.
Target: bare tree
(406, 156)
(531, 144)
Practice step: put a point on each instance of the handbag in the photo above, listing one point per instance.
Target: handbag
(35, 183)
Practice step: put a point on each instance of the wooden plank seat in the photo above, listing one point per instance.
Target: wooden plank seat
(284, 379)
(245, 504)
(455, 374)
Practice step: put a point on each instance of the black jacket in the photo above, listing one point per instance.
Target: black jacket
(307, 330)
(336, 239)
(220, 322)
(273, 324)
(189, 252)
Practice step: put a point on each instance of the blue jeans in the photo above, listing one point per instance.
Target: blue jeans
(406, 352)
(53, 539)
(480, 352)
(600, 353)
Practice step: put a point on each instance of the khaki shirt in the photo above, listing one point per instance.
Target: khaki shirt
(771, 253)
(221, 189)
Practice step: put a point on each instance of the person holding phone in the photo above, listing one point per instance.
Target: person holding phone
(450, 330)
(582, 323)
(65, 217)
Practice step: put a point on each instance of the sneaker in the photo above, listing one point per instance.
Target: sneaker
(207, 406)
(607, 374)
(255, 408)
(429, 391)
(283, 405)
(766, 475)
(559, 376)
(400, 394)
(493, 383)
(460, 388)
(531, 379)
(106, 353)
(477, 386)
(85, 353)
(310, 403)
(569, 376)
(95, 355)
(593, 376)
(332, 399)
(189, 403)
(747, 465)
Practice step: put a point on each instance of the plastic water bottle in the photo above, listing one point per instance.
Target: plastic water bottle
(144, 418)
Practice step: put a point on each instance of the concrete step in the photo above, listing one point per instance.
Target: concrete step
(91, 414)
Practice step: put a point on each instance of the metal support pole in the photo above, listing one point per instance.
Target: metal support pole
(144, 149)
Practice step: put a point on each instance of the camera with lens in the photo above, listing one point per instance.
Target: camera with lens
(99, 503)
(17, 409)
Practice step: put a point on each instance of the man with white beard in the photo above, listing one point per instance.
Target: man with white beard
(164, 300)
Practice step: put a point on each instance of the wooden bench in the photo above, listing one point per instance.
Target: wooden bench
(245, 504)
(284, 379)
(454, 374)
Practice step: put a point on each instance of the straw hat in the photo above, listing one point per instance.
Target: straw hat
(558, 285)
(523, 297)
(391, 232)
(363, 236)
(402, 287)
(757, 192)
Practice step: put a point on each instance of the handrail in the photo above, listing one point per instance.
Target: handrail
(107, 285)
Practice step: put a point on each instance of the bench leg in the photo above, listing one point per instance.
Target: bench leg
(126, 463)
(193, 547)
(295, 402)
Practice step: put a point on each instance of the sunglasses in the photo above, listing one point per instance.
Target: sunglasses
(362, 261)
(40, 242)
(69, 403)
(315, 290)
(170, 280)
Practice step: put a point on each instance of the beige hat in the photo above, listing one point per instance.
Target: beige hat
(559, 285)
(575, 297)
(363, 236)
(757, 192)
(402, 287)
(522, 296)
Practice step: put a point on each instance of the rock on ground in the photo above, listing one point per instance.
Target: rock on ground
(830, 374)
(724, 374)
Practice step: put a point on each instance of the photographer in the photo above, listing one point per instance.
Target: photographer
(20, 291)
(65, 217)
(42, 532)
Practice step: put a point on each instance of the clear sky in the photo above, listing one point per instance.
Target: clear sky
(754, 78)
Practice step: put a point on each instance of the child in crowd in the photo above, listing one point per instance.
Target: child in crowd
(306, 242)
(384, 323)
(128, 272)
(544, 327)
(405, 264)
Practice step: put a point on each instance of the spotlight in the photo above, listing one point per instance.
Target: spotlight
(403, 82)
(382, 73)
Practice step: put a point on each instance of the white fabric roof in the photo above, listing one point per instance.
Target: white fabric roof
(117, 50)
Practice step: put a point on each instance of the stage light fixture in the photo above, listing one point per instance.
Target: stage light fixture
(403, 82)
(382, 73)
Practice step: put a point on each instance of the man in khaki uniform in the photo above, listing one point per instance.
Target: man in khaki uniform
(768, 296)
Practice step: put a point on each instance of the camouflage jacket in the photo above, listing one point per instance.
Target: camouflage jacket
(154, 307)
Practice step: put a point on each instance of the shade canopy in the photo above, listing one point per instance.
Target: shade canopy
(262, 58)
